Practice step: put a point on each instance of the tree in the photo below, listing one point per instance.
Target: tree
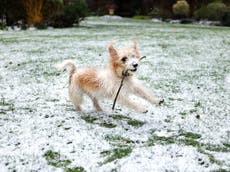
(181, 8)
(33, 10)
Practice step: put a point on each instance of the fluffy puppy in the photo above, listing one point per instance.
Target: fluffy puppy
(104, 83)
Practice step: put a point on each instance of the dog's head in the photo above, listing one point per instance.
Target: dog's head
(125, 59)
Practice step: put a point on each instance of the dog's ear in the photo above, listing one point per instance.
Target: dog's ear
(112, 51)
(134, 41)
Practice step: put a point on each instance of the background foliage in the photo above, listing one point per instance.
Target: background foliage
(66, 13)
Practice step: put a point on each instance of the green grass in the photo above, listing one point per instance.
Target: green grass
(6, 106)
(118, 140)
(115, 154)
(89, 119)
(54, 159)
(190, 139)
(107, 125)
(93, 120)
(190, 135)
(135, 123)
(75, 169)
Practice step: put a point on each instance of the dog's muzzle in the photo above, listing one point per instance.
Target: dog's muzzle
(135, 65)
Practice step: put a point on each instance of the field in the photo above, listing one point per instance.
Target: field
(187, 65)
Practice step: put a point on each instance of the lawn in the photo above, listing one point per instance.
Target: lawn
(187, 65)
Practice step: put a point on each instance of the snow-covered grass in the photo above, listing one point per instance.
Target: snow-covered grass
(189, 66)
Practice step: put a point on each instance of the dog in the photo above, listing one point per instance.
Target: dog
(104, 83)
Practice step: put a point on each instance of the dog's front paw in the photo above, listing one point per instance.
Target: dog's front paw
(145, 111)
(160, 101)
(142, 110)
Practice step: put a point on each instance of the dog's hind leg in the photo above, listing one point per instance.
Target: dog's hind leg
(76, 96)
(95, 103)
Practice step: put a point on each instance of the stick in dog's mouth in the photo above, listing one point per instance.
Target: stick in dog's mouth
(142, 57)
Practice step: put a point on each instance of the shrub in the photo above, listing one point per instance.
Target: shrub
(226, 17)
(75, 11)
(72, 13)
(2, 26)
(159, 12)
(141, 17)
(41, 26)
(201, 13)
(155, 12)
(57, 7)
(181, 9)
(213, 11)
(216, 10)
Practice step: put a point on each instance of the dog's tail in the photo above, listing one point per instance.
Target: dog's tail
(67, 64)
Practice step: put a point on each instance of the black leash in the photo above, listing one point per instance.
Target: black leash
(124, 74)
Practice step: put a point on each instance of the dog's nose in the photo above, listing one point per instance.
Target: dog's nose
(135, 65)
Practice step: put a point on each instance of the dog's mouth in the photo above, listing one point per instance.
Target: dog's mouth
(133, 70)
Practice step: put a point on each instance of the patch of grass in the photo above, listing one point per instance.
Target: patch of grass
(116, 153)
(54, 159)
(190, 139)
(75, 169)
(190, 135)
(135, 123)
(51, 73)
(107, 125)
(94, 120)
(38, 51)
(167, 120)
(212, 159)
(154, 139)
(190, 142)
(192, 110)
(116, 139)
(197, 104)
(119, 117)
(173, 99)
(227, 145)
(6, 106)
(217, 148)
(144, 78)
(220, 170)
(89, 119)
(182, 113)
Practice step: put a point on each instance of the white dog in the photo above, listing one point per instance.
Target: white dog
(104, 83)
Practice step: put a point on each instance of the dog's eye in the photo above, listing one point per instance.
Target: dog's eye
(124, 59)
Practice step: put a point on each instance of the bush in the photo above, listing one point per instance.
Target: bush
(159, 12)
(181, 9)
(213, 11)
(155, 12)
(216, 10)
(71, 13)
(41, 26)
(226, 17)
(2, 26)
(75, 11)
(57, 7)
(141, 17)
(201, 13)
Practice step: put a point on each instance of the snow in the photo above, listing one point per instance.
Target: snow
(188, 66)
